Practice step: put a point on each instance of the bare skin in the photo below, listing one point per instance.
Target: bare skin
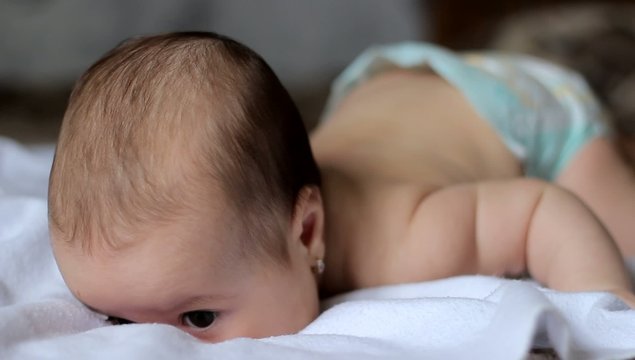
(600, 176)
(418, 187)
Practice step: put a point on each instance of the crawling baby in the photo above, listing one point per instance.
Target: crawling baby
(186, 191)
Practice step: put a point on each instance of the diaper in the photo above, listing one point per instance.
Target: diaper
(544, 113)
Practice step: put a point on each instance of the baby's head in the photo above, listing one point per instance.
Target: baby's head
(184, 191)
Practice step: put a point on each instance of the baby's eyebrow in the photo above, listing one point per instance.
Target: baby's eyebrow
(201, 299)
(190, 302)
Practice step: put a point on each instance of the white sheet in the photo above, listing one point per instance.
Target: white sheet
(471, 317)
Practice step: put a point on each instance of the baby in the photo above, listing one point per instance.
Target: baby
(184, 189)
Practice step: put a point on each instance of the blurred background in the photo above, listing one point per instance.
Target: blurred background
(46, 44)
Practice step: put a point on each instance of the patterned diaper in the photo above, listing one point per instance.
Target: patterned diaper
(543, 112)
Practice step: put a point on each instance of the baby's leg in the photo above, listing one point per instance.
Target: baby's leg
(602, 178)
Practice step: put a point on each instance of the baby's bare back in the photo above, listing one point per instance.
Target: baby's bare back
(390, 143)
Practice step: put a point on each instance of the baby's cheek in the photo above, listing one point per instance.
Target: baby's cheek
(279, 319)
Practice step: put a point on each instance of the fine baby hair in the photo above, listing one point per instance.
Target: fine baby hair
(158, 121)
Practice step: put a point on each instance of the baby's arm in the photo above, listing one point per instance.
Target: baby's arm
(508, 226)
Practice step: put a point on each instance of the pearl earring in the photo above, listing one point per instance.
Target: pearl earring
(319, 266)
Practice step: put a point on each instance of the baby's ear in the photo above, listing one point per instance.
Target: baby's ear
(307, 223)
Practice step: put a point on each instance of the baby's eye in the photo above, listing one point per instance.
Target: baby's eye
(118, 321)
(199, 319)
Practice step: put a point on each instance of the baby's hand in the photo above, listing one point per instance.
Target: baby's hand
(625, 295)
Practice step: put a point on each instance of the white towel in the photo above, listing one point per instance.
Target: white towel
(470, 317)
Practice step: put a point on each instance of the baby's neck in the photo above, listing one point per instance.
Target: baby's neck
(339, 198)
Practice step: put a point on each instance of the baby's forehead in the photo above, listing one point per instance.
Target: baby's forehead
(147, 274)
